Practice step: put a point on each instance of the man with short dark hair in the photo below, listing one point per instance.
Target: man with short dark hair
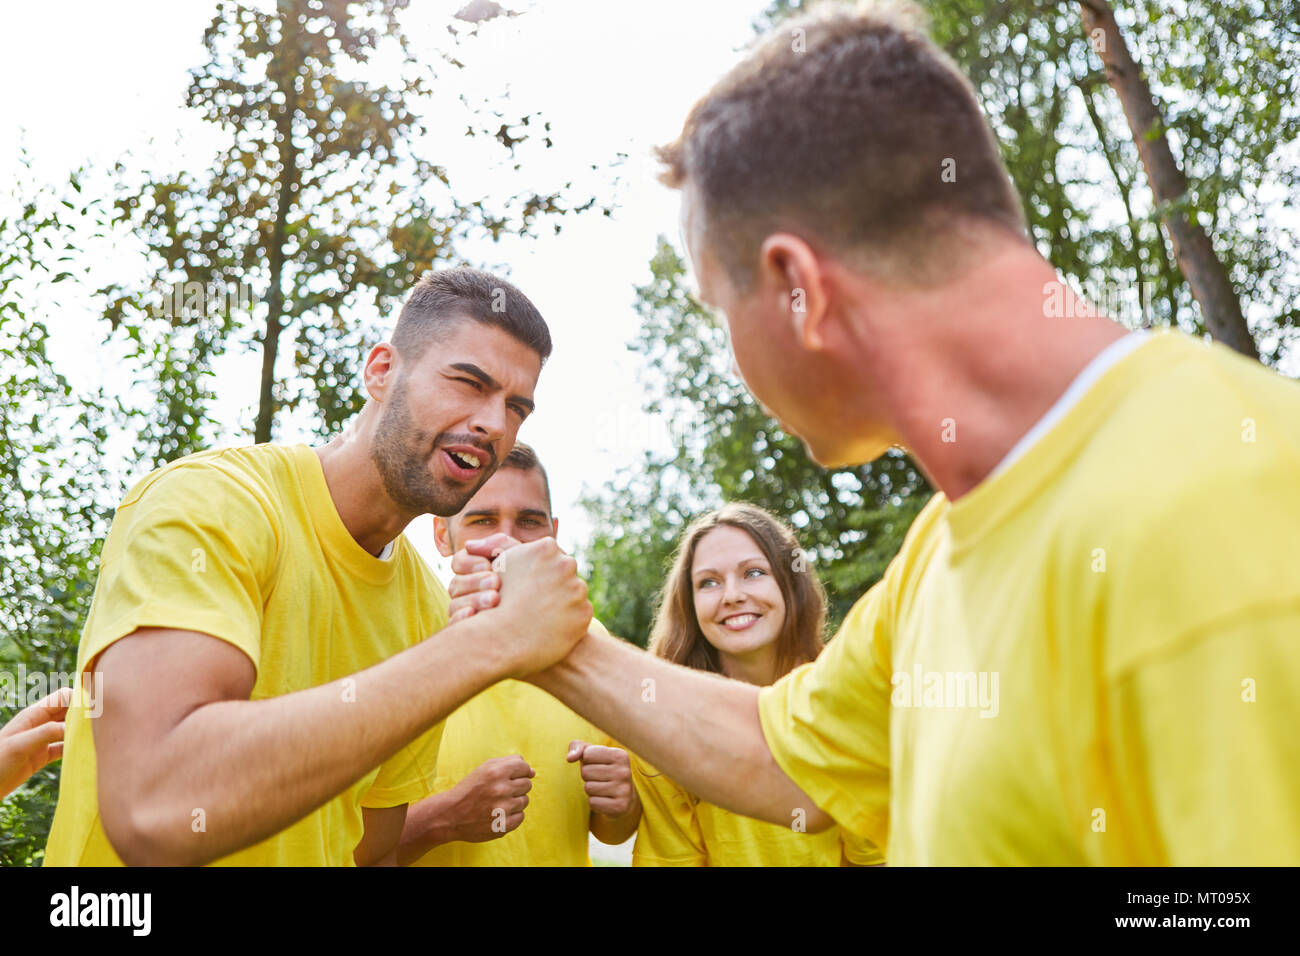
(520, 778)
(1087, 650)
(270, 655)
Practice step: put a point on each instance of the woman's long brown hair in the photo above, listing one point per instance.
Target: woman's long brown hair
(677, 635)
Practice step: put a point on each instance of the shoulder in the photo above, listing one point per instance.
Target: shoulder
(234, 491)
(251, 475)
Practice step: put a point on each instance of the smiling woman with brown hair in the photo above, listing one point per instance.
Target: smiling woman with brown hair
(740, 601)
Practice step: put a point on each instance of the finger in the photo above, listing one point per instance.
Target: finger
(485, 599)
(606, 788)
(53, 706)
(491, 546)
(519, 767)
(56, 752)
(610, 806)
(605, 771)
(462, 613)
(34, 744)
(463, 584)
(576, 749)
(518, 787)
(462, 562)
(513, 821)
(596, 754)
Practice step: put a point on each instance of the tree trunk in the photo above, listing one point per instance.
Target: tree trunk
(1205, 273)
(289, 177)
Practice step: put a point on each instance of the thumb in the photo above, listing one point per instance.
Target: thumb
(576, 750)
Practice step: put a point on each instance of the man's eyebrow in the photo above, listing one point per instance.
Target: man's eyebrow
(469, 368)
(481, 513)
(533, 513)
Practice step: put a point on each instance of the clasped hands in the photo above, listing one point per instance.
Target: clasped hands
(532, 588)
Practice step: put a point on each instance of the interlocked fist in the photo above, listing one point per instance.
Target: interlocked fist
(476, 585)
(541, 604)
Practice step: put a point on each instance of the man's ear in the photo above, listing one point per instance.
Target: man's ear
(791, 273)
(555, 527)
(442, 537)
(380, 371)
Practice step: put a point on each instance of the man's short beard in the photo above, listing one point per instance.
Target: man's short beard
(404, 469)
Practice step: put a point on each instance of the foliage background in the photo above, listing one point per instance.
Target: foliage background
(383, 208)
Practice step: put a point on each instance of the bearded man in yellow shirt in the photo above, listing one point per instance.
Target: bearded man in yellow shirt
(521, 779)
(1087, 650)
(270, 655)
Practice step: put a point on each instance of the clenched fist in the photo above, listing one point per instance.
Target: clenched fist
(607, 775)
(490, 801)
(543, 609)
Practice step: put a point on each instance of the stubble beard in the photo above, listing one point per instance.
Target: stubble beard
(400, 456)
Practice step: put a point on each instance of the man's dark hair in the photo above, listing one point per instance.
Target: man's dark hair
(446, 297)
(523, 458)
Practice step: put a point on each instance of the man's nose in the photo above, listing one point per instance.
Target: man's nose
(490, 421)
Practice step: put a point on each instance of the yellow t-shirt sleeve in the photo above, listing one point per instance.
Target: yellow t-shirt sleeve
(198, 551)
(1206, 743)
(411, 773)
(827, 723)
(669, 832)
(860, 851)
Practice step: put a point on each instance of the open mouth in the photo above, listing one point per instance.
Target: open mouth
(462, 463)
(738, 622)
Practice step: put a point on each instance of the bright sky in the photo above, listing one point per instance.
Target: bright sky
(92, 82)
(95, 82)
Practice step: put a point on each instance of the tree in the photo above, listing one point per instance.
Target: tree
(56, 494)
(1191, 246)
(1228, 80)
(317, 213)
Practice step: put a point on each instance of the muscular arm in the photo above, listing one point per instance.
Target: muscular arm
(179, 734)
(701, 729)
(383, 830)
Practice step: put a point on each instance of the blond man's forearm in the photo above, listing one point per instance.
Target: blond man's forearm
(700, 729)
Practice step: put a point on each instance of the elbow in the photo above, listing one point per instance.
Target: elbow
(143, 834)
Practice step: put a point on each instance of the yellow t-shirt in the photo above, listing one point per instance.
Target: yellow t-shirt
(514, 717)
(679, 829)
(245, 544)
(1091, 658)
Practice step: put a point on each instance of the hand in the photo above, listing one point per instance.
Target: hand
(32, 739)
(608, 777)
(490, 801)
(543, 609)
(475, 586)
